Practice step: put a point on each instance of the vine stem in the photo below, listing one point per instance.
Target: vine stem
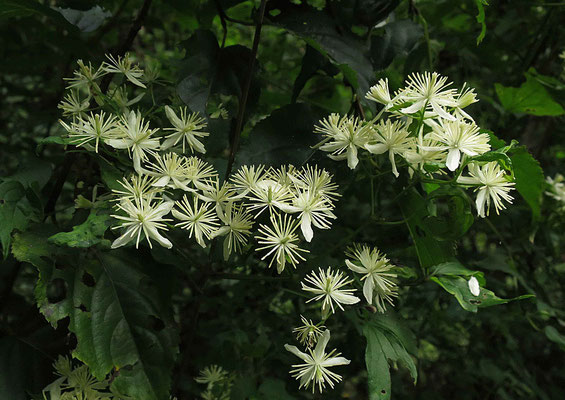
(246, 87)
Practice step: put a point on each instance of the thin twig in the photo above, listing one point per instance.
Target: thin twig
(246, 87)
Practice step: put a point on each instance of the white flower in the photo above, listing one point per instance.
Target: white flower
(328, 287)
(247, 177)
(314, 371)
(314, 209)
(94, 127)
(319, 181)
(84, 77)
(137, 187)
(197, 220)
(143, 216)
(343, 135)
(222, 194)
(73, 106)
(492, 186)
(170, 170)
(380, 93)
(458, 137)
(474, 287)
(199, 172)
(376, 270)
(281, 242)
(556, 188)
(428, 92)
(391, 137)
(424, 151)
(268, 193)
(465, 97)
(238, 224)
(308, 333)
(135, 136)
(123, 65)
(186, 128)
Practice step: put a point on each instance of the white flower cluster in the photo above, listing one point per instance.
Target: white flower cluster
(426, 127)
(170, 189)
(556, 188)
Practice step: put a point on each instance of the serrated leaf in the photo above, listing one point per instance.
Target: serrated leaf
(383, 345)
(459, 288)
(89, 233)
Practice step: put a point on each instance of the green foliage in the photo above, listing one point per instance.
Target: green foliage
(530, 98)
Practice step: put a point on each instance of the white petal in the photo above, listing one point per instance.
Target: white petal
(480, 202)
(474, 287)
(294, 350)
(124, 239)
(368, 289)
(353, 267)
(330, 362)
(173, 117)
(352, 159)
(162, 181)
(417, 106)
(378, 148)
(441, 112)
(453, 158)
(346, 298)
(322, 343)
(306, 226)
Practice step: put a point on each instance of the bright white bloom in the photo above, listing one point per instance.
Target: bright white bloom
(135, 136)
(314, 371)
(143, 216)
(124, 65)
(186, 128)
(247, 177)
(137, 187)
(465, 97)
(458, 137)
(380, 93)
(474, 287)
(196, 219)
(93, 128)
(377, 273)
(199, 172)
(391, 137)
(170, 171)
(492, 184)
(270, 194)
(73, 106)
(429, 92)
(343, 135)
(424, 151)
(84, 77)
(314, 209)
(319, 181)
(222, 194)
(327, 286)
(281, 242)
(308, 333)
(556, 188)
(237, 227)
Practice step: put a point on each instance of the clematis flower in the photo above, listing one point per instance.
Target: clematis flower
(391, 137)
(343, 135)
(73, 106)
(376, 270)
(124, 65)
(316, 363)
(186, 128)
(137, 187)
(281, 242)
(491, 184)
(380, 94)
(308, 333)
(170, 171)
(428, 92)
(458, 137)
(143, 217)
(327, 286)
(133, 134)
(93, 128)
(197, 219)
(237, 228)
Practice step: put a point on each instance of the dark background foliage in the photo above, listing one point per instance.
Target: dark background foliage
(313, 58)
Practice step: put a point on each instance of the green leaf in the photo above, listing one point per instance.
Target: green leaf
(273, 389)
(530, 98)
(399, 39)
(430, 250)
(455, 268)
(459, 287)
(481, 19)
(318, 29)
(554, 335)
(530, 179)
(453, 213)
(11, 215)
(117, 314)
(284, 137)
(383, 345)
(89, 233)
(26, 8)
